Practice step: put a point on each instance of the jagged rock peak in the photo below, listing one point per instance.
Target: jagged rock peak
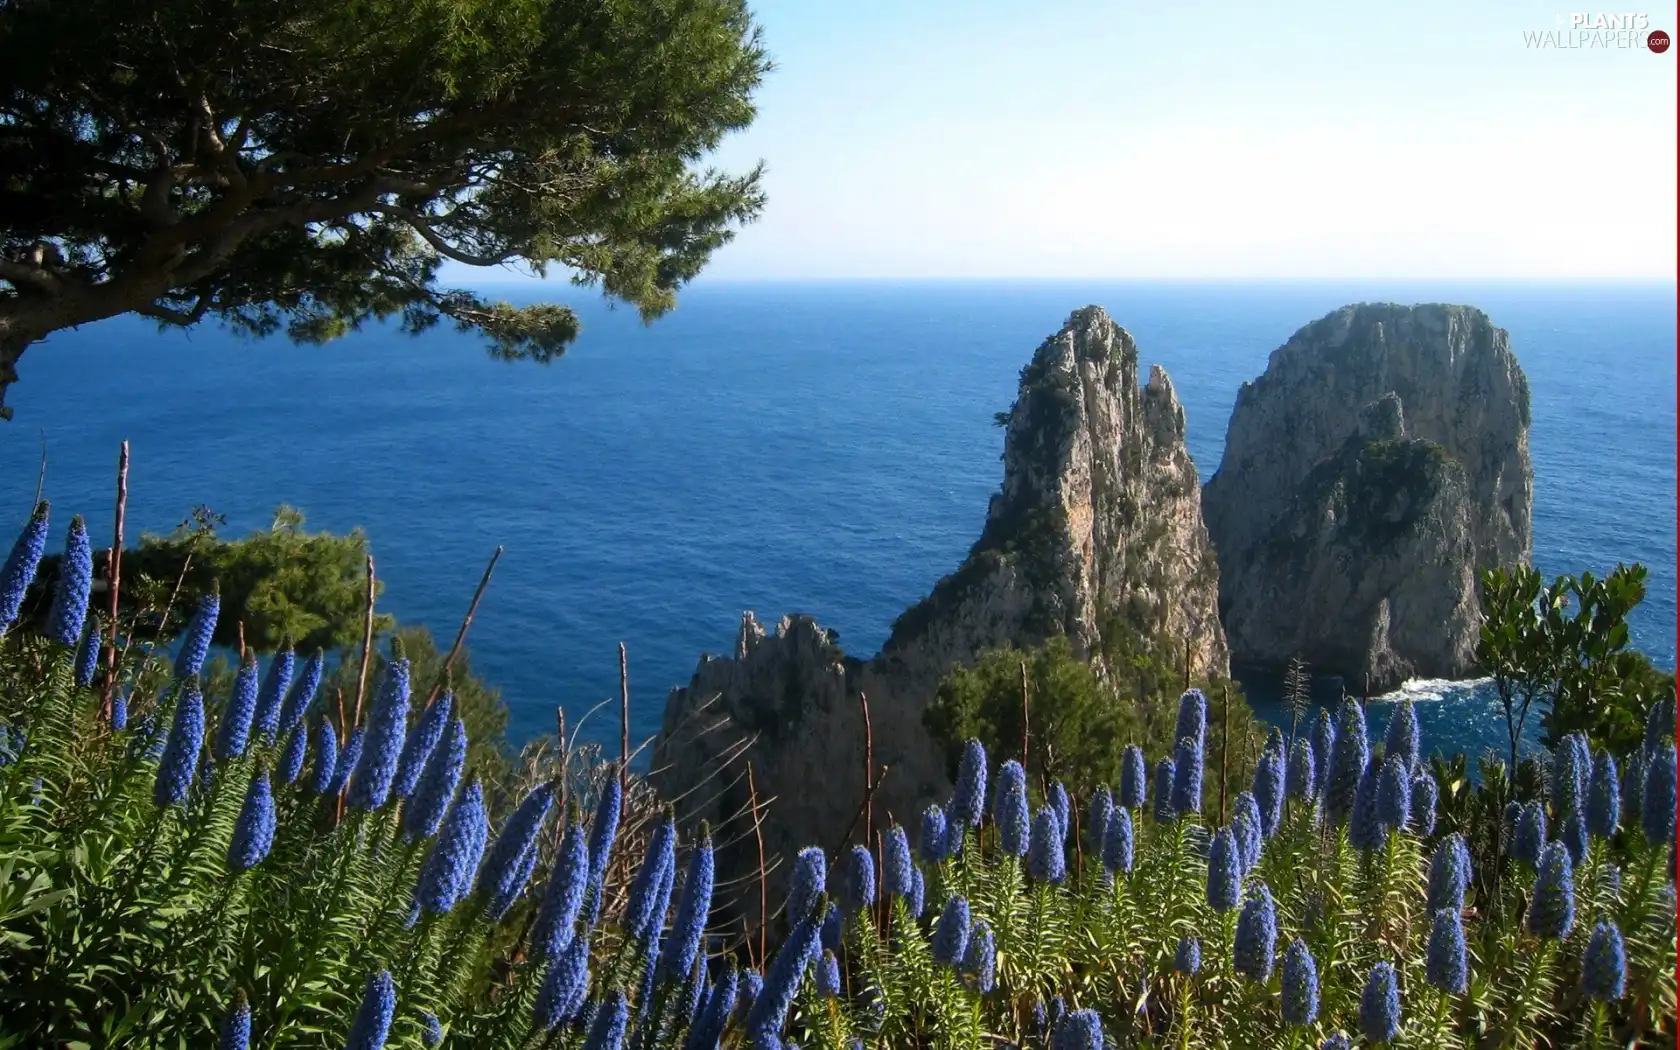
(1098, 517)
(1379, 463)
(1097, 525)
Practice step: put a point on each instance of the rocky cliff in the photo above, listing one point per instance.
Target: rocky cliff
(1379, 463)
(1097, 528)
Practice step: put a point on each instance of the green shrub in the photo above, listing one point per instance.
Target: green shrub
(1078, 723)
(1561, 650)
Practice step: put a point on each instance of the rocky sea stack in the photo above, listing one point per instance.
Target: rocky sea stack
(1096, 533)
(1379, 464)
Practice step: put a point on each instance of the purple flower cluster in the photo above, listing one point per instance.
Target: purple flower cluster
(1350, 753)
(438, 780)
(1046, 861)
(1117, 842)
(1133, 777)
(1256, 942)
(932, 844)
(805, 888)
(968, 801)
(689, 926)
(271, 697)
(563, 900)
(420, 743)
(87, 656)
(195, 640)
(1300, 985)
(508, 864)
(857, 890)
(1165, 774)
(253, 833)
(180, 755)
(896, 865)
(376, 767)
(448, 871)
(75, 583)
(302, 693)
(1447, 965)
(235, 729)
(1224, 884)
(950, 934)
(21, 564)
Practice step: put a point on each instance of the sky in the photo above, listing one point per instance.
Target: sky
(1200, 140)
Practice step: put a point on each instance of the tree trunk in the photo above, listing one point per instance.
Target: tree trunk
(13, 341)
(29, 319)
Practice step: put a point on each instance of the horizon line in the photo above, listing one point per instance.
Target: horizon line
(1623, 281)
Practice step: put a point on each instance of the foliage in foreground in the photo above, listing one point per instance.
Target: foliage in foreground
(175, 872)
(280, 586)
(1562, 650)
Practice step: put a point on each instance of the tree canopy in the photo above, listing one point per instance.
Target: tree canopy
(306, 166)
(279, 584)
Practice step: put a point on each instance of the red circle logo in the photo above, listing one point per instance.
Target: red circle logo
(1657, 41)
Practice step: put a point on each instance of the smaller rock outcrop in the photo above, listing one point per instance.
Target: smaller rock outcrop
(790, 704)
(1379, 464)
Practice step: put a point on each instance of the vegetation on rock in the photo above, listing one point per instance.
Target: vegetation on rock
(1078, 722)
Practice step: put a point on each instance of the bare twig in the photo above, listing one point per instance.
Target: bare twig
(763, 884)
(367, 643)
(764, 805)
(114, 567)
(868, 769)
(646, 743)
(461, 635)
(883, 910)
(572, 745)
(704, 804)
(867, 796)
(1224, 750)
(1078, 844)
(565, 758)
(1025, 732)
(186, 563)
(623, 716)
(718, 766)
(343, 735)
(41, 478)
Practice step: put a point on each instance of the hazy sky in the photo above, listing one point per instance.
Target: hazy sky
(996, 138)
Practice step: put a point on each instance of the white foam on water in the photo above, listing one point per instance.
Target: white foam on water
(1420, 690)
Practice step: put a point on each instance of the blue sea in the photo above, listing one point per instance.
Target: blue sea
(824, 448)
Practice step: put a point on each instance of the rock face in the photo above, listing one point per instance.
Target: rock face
(1096, 528)
(1375, 468)
(1098, 525)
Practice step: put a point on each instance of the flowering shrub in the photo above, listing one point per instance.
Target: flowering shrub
(239, 869)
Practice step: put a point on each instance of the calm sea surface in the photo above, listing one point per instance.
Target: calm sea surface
(822, 448)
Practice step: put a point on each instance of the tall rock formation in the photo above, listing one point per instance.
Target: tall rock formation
(1097, 528)
(1379, 463)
